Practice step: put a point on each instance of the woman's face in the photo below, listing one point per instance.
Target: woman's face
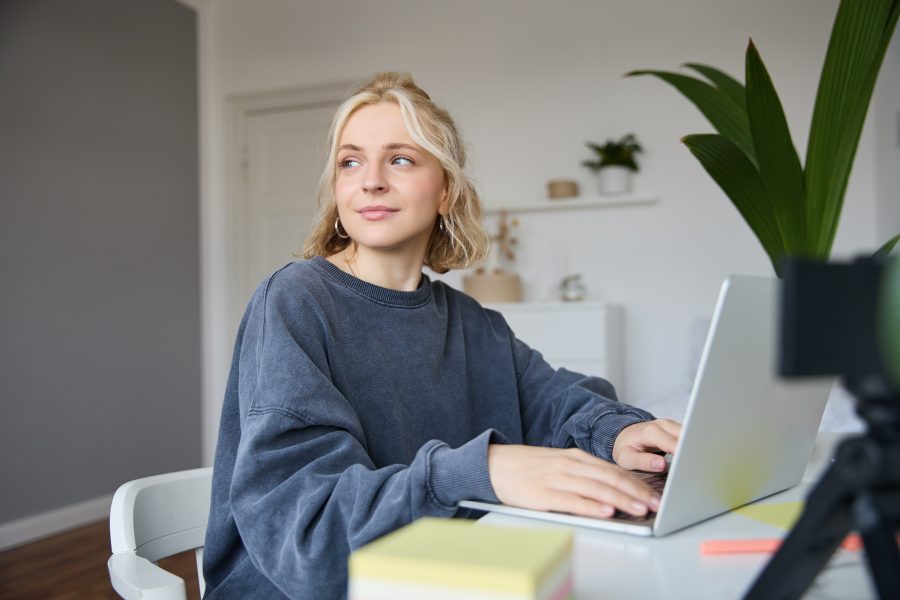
(388, 190)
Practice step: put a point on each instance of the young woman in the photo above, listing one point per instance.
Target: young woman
(363, 395)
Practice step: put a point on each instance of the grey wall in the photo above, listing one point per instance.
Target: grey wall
(99, 242)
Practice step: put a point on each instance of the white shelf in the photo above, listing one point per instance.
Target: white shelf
(581, 202)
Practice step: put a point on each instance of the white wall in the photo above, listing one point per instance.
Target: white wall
(528, 82)
(885, 111)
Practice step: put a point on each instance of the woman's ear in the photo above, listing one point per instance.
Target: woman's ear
(444, 204)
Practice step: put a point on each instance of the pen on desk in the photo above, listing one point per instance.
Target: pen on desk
(763, 545)
(739, 546)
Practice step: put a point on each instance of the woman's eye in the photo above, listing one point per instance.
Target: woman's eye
(348, 162)
(396, 160)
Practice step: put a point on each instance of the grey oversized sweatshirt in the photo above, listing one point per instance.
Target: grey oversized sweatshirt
(352, 410)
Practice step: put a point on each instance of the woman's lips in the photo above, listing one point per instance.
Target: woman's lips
(376, 213)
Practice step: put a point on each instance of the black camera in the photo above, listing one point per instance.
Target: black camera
(832, 323)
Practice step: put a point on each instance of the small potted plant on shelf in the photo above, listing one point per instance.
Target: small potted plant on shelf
(615, 163)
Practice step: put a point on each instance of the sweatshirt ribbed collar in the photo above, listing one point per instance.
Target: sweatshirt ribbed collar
(377, 293)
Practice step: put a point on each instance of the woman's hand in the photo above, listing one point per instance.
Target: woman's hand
(637, 447)
(566, 480)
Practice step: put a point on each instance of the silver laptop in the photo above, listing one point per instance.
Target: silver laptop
(747, 434)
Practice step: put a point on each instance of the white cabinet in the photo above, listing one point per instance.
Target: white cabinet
(580, 336)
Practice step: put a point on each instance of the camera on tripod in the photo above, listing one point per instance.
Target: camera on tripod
(844, 320)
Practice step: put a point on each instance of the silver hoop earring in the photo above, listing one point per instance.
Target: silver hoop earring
(445, 230)
(337, 229)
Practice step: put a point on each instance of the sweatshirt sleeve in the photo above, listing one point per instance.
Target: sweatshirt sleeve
(561, 408)
(304, 491)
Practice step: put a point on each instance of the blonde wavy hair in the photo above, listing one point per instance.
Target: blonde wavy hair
(463, 241)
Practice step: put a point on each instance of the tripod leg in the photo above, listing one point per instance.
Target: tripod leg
(877, 531)
(810, 544)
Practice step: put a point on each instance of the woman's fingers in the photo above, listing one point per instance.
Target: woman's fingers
(672, 431)
(560, 501)
(616, 478)
(670, 426)
(637, 502)
(636, 445)
(567, 481)
(576, 482)
(658, 436)
(650, 462)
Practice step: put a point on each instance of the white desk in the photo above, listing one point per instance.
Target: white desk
(613, 565)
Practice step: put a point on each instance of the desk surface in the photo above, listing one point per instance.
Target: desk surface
(615, 565)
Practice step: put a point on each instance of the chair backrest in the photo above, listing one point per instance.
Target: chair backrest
(162, 515)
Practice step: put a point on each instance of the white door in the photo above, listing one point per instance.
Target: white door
(284, 155)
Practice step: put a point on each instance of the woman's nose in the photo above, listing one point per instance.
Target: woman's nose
(374, 180)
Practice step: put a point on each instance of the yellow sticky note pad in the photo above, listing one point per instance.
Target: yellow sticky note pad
(458, 553)
(780, 514)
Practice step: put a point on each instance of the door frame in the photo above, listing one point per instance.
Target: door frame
(223, 206)
(239, 109)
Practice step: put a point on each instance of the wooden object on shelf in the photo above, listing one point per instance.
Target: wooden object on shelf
(562, 188)
(493, 287)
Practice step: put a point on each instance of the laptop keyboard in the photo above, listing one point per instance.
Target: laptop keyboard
(657, 482)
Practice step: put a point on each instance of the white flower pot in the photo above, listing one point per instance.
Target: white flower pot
(615, 180)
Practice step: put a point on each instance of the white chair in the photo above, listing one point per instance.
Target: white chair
(153, 518)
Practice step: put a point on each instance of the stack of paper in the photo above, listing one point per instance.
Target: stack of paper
(440, 559)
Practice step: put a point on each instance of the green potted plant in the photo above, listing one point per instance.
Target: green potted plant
(615, 163)
(792, 209)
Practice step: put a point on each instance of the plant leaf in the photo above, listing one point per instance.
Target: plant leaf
(725, 82)
(737, 176)
(888, 246)
(859, 38)
(779, 165)
(720, 109)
